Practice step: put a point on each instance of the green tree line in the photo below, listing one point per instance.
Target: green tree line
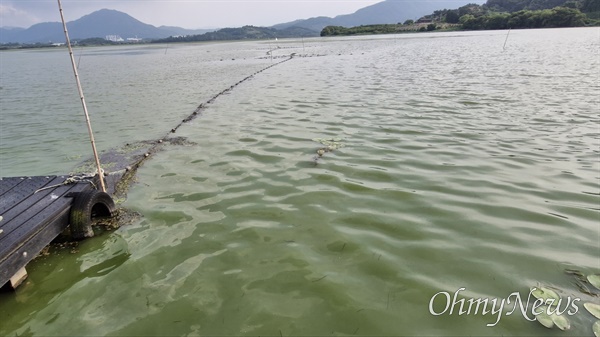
(546, 18)
(585, 6)
(246, 32)
(359, 30)
(501, 14)
(495, 14)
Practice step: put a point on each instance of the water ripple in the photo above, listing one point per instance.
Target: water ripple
(458, 165)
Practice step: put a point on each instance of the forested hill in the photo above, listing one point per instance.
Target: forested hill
(518, 14)
(494, 14)
(246, 32)
(510, 6)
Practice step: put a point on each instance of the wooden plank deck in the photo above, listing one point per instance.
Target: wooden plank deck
(29, 220)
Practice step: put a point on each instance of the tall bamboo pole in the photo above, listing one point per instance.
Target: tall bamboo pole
(85, 110)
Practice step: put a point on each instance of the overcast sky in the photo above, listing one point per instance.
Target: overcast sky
(183, 13)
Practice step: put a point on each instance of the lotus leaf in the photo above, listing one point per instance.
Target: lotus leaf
(561, 321)
(594, 280)
(545, 294)
(593, 308)
(544, 318)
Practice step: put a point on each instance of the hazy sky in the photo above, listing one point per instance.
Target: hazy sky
(183, 13)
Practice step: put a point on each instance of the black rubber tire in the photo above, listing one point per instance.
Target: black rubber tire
(86, 205)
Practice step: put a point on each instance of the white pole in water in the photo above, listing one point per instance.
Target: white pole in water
(504, 47)
(85, 110)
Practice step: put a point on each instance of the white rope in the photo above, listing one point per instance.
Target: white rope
(73, 180)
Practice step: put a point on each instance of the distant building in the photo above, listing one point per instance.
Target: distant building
(134, 39)
(114, 38)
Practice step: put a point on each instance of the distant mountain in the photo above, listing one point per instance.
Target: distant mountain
(389, 11)
(8, 33)
(315, 24)
(97, 24)
(9, 28)
(111, 22)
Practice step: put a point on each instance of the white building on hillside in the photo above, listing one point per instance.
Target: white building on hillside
(114, 38)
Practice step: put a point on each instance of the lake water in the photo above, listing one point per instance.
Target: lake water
(455, 164)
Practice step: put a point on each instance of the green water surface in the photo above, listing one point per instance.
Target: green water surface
(456, 164)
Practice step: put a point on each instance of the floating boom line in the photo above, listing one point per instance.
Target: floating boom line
(85, 110)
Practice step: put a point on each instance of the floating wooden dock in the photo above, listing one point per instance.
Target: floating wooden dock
(33, 211)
